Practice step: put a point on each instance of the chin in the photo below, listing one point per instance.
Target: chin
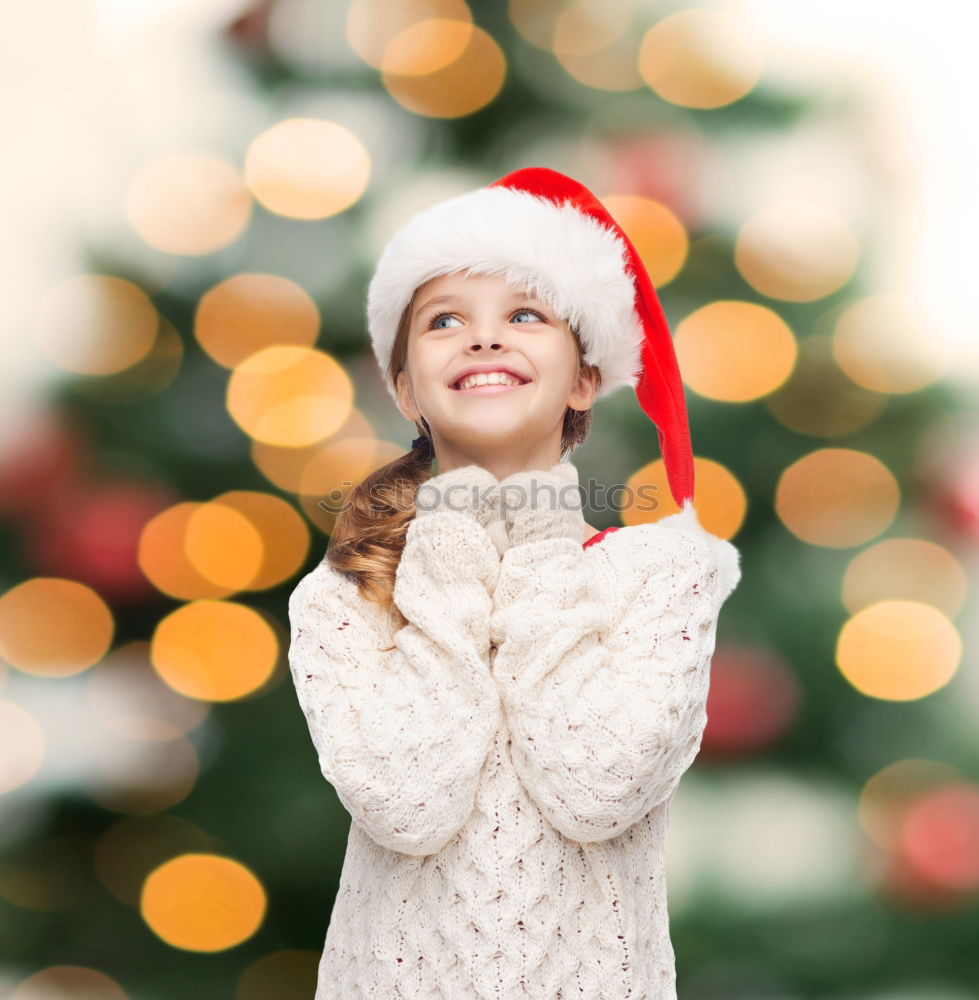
(476, 440)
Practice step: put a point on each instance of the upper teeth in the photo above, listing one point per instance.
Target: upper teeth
(488, 378)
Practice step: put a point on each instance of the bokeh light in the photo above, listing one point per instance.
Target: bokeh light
(752, 701)
(898, 650)
(96, 324)
(189, 203)
(940, 836)
(145, 775)
(132, 847)
(289, 396)
(338, 464)
(837, 497)
(163, 556)
(214, 650)
(304, 168)
(69, 982)
(797, 252)
(223, 545)
(596, 43)
(786, 842)
(734, 351)
(445, 90)
(427, 46)
(910, 569)
(21, 746)
(53, 627)
(283, 534)
(374, 25)
(146, 378)
(248, 312)
(701, 58)
(536, 20)
(884, 343)
(316, 469)
(203, 902)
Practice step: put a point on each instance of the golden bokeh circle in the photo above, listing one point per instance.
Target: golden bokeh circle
(701, 58)
(188, 203)
(203, 902)
(898, 650)
(163, 557)
(214, 650)
(248, 312)
(796, 252)
(289, 396)
(54, 627)
(373, 25)
(307, 168)
(837, 497)
(223, 545)
(884, 343)
(456, 89)
(734, 351)
(283, 533)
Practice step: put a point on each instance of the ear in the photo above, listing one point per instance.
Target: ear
(406, 399)
(585, 389)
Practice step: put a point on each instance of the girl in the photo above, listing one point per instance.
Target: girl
(504, 699)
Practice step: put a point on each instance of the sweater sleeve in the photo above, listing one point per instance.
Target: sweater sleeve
(603, 667)
(402, 733)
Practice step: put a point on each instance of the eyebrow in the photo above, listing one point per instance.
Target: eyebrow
(515, 296)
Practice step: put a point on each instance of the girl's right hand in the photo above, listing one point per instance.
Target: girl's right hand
(470, 490)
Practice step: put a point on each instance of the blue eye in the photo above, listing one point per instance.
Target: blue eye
(436, 318)
(445, 313)
(533, 312)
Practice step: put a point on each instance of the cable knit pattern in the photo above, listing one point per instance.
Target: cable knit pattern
(509, 762)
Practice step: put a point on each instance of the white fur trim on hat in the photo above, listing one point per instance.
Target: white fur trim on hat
(727, 556)
(568, 259)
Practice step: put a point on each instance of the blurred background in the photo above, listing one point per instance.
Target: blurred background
(194, 196)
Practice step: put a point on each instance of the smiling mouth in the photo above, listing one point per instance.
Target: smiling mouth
(489, 389)
(486, 387)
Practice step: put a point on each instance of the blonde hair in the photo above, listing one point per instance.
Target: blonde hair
(369, 534)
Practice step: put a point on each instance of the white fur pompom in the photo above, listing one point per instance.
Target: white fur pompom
(727, 555)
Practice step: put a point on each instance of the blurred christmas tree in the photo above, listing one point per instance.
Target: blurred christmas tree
(165, 829)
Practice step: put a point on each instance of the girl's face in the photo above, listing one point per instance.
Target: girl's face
(458, 322)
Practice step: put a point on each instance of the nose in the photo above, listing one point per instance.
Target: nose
(484, 336)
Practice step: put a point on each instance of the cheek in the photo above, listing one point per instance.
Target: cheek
(557, 369)
(428, 365)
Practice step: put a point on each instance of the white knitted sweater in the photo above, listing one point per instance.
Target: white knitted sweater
(509, 756)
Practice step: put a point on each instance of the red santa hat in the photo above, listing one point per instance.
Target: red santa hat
(545, 232)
